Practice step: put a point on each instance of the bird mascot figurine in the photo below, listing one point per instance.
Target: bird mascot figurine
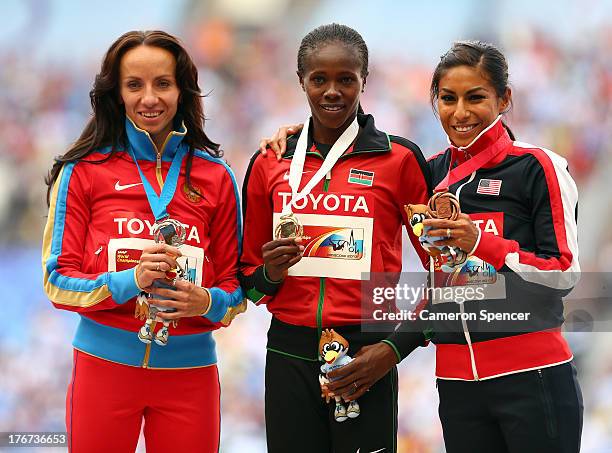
(171, 232)
(332, 349)
(443, 205)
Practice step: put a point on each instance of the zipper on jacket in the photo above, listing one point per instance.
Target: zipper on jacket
(320, 307)
(158, 170)
(158, 153)
(322, 279)
(466, 331)
(327, 179)
(160, 181)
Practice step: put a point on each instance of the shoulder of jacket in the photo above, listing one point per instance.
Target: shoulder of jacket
(407, 149)
(207, 159)
(439, 155)
(404, 143)
(540, 154)
(98, 154)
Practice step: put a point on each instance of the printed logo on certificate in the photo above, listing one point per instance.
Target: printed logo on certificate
(333, 242)
(475, 280)
(337, 236)
(474, 273)
(124, 253)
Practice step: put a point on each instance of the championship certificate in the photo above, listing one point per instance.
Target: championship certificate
(337, 236)
(124, 253)
(474, 273)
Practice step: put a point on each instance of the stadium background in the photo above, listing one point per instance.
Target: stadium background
(561, 72)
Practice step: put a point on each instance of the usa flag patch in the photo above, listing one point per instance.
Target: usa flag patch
(489, 186)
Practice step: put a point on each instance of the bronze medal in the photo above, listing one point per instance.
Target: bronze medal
(443, 205)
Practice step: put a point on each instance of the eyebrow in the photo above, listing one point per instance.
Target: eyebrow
(339, 72)
(163, 76)
(468, 91)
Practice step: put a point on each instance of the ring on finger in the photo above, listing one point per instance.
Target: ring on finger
(448, 232)
(355, 386)
(158, 266)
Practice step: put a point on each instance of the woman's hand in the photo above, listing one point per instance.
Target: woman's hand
(187, 298)
(278, 142)
(463, 232)
(154, 262)
(279, 255)
(369, 365)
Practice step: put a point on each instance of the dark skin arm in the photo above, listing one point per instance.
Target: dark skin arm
(369, 365)
(279, 255)
(278, 142)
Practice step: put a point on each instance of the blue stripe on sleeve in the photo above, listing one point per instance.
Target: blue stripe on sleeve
(221, 301)
(56, 279)
(122, 285)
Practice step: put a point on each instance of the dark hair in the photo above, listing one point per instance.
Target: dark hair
(106, 126)
(476, 54)
(330, 33)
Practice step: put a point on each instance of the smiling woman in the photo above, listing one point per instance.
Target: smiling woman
(149, 91)
(340, 188)
(130, 205)
(333, 78)
(468, 103)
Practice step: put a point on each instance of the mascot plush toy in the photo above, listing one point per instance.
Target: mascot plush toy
(332, 349)
(441, 206)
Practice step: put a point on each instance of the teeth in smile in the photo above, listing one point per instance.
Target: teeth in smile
(332, 108)
(464, 128)
(150, 114)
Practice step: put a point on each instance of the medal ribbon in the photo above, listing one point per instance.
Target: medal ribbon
(470, 165)
(299, 157)
(160, 202)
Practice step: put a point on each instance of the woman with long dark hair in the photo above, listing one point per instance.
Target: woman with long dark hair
(142, 240)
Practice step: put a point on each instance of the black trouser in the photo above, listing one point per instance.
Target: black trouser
(298, 419)
(534, 411)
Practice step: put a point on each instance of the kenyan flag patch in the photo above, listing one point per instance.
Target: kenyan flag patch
(363, 177)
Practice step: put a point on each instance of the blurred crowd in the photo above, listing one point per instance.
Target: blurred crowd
(562, 100)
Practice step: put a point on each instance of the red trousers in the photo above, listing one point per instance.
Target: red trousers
(107, 401)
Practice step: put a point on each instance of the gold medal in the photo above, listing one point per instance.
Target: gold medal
(288, 227)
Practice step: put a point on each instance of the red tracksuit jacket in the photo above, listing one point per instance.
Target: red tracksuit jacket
(353, 224)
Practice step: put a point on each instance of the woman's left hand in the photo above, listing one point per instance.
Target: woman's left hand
(463, 232)
(369, 365)
(187, 298)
